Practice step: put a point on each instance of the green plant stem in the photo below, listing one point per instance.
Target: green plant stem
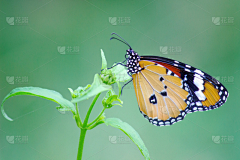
(96, 118)
(84, 129)
(79, 121)
(81, 142)
(90, 110)
(95, 125)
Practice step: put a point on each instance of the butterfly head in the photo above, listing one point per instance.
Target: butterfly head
(133, 61)
(131, 56)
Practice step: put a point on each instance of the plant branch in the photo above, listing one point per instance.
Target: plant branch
(96, 118)
(90, 110)
(95, 125)
(78, 120)
(84, 129)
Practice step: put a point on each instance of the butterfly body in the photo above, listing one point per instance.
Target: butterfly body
(167, 90)
(133, 62)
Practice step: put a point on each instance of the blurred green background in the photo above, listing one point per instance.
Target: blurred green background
(56, 45)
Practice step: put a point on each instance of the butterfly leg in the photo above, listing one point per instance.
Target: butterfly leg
(120, 63)
(126, 83)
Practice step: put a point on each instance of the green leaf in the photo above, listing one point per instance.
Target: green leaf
(109, 99)
(104, 61)
(62, 109)
(121, 73)
(130, 132)
(119, 88)
(96, 87)
(117, 105)
(79, 91)
(116, 74)
(39, 92)
(108, 77)
(113, 98)
(71, 91)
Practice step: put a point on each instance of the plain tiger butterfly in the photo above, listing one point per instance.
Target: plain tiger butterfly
(167, 89)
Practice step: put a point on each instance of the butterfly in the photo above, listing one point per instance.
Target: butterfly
(167, 90)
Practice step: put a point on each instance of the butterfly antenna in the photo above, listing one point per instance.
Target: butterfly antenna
(123, 40)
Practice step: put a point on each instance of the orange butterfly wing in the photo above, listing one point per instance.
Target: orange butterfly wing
(160, 97)
(166, 93)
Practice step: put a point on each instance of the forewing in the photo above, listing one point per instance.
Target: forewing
(160, 94)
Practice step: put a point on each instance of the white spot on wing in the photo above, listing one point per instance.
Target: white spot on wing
(199, 83)
(169, 72)
(185, 78)
(199, 72)
(220, 93)
(198, 103)
(200, 95)
(198, 76)
(224, 98)
(187, 70)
